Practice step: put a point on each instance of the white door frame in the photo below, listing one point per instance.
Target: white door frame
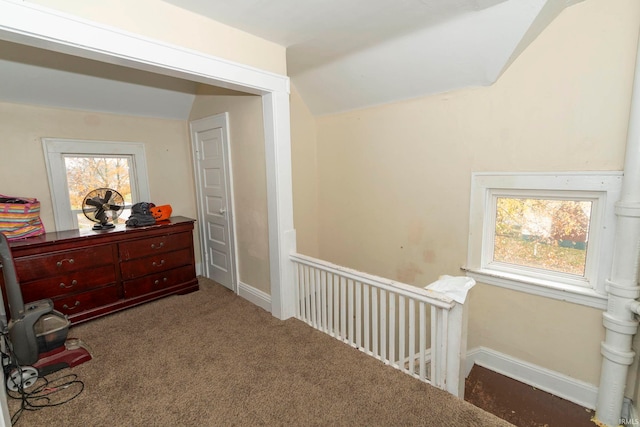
(233, 254)
(34, 25)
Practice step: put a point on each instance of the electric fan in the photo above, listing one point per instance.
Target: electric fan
(103, 205)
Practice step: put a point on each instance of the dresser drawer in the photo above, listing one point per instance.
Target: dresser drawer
(156, 282)
(69, 283)
(154, 245)
(155, 264)
(37, 267)
(83, 301)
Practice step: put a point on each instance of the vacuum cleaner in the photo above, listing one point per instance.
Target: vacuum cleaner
(37, 334)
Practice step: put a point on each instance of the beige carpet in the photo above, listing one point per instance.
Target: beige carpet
(211, 358)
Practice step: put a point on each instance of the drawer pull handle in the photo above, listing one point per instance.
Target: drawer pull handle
(157, 281)
(64, 286)
(66, 307)
(154, 246)
(70, 261)
(158, 264)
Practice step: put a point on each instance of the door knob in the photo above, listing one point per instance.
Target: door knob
(223, 211)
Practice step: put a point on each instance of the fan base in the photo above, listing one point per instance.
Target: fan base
(103, 226)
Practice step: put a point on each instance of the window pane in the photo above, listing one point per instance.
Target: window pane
(85, 174)
(540, 233)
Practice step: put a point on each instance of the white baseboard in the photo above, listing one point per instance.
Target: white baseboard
(571, 389)
(256, 296)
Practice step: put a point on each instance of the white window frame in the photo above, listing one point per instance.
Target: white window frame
(601, 188)
(56, 149)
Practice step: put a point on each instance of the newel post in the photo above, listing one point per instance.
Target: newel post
(456, 350)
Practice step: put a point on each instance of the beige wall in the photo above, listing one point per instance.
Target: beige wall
(394, 180)
(246, 134)
(305, 175)
(164, 21)
(249, 177)
(166, 146)
(170, 167)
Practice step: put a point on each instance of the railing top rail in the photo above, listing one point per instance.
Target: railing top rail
(434, 298)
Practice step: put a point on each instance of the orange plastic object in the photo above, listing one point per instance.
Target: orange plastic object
(160, 213)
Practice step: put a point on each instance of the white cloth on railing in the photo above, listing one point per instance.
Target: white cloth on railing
(455, 287)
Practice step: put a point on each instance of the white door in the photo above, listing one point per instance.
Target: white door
(210, 141)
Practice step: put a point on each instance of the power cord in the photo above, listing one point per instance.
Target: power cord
(45, 393)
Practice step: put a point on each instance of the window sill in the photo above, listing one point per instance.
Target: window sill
(544, 288)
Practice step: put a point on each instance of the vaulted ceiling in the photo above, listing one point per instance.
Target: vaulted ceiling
(341, 55)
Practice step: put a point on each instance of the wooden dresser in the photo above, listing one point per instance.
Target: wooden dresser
(89, 273)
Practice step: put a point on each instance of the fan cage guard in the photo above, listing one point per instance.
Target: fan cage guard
(103, 206)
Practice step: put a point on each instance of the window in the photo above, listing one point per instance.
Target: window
(86, 173)
(546, 234)
(77, 167)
